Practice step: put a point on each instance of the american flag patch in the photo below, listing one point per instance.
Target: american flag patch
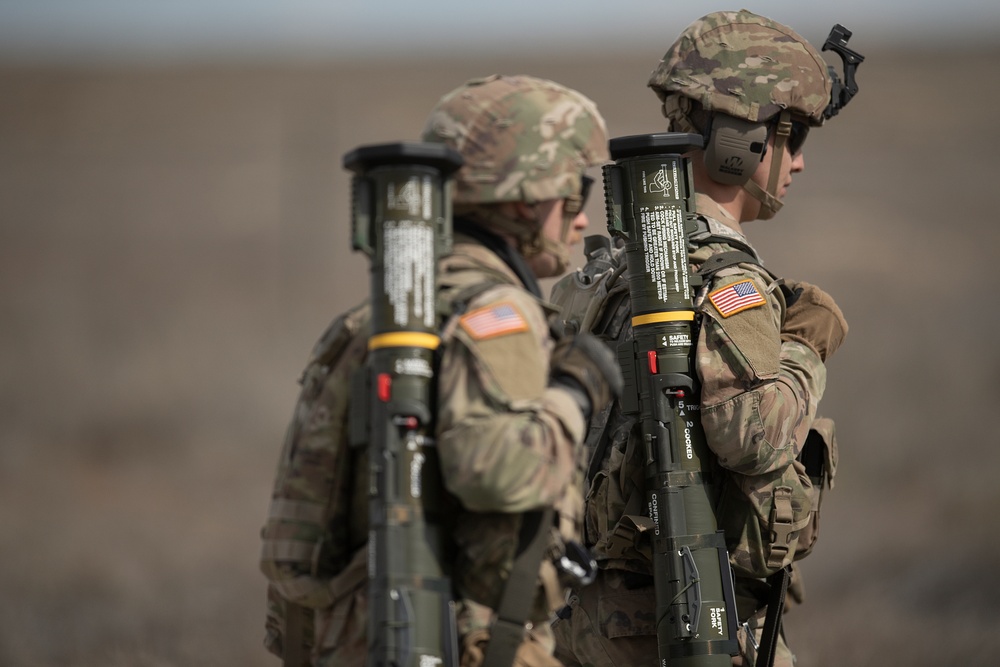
(495, 320)
(734, 298)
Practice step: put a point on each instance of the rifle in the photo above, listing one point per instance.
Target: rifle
(401, 218)
(647, 194)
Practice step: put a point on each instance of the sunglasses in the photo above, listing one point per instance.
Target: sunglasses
(574, 204)
(797, 136)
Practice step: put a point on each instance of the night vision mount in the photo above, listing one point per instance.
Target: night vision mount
(842, 92)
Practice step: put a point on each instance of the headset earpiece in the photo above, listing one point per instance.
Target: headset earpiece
(735, 148)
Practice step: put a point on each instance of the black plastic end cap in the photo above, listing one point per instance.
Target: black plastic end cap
(438, 156)
(664, 143)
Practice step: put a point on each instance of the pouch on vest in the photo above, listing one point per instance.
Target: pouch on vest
(772, 520)
(341, 629)
(819, 457)
(310, 534)
(590, 300)
(590, 296)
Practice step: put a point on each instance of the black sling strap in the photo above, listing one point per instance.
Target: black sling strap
(772, 619)
(721, 260)
(293, 652)
(507, 633)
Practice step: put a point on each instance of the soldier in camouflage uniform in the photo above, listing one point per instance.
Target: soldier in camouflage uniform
(761, 350)
(514, 396)
(515, 400)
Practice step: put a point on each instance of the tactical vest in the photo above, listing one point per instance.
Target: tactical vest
(765, 529)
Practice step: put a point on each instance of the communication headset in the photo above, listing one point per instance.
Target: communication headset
(734, 149)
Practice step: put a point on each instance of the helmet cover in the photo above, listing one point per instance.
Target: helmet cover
(522, 138)
(746, 66)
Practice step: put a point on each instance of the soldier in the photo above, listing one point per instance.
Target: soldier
(515, 402)
(514, 397)
(752, 88)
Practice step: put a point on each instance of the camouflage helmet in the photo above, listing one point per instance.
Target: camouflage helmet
(523, 138)
(746, 66)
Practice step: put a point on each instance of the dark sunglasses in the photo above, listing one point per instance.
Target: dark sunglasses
(574, 204)
(797, 136)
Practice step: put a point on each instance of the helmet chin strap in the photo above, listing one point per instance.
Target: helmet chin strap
(769, 202)
(537, 243)
(560, 249)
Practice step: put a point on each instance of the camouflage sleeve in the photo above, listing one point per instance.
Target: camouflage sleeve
(759, 395)
(508, 442)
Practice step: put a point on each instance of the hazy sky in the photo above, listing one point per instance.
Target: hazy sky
(80, 30)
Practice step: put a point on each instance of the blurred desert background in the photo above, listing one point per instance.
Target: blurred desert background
(174, 237)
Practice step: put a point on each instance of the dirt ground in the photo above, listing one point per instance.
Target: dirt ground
(172, 240)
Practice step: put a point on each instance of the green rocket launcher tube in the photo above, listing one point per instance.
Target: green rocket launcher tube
(647, 193)
(402, 220)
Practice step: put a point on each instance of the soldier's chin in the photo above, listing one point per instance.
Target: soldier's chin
(548, 265)
(765, 213)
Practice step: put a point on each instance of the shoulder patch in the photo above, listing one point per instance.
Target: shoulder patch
(497, 319)
(736, 297)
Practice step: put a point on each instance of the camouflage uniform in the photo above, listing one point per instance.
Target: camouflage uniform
(760, 389)
(509, 439)
(509, 442)
(759, 399)
(509, 429)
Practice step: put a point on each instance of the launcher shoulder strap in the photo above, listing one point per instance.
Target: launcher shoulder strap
(507, 633)
(723, 260)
